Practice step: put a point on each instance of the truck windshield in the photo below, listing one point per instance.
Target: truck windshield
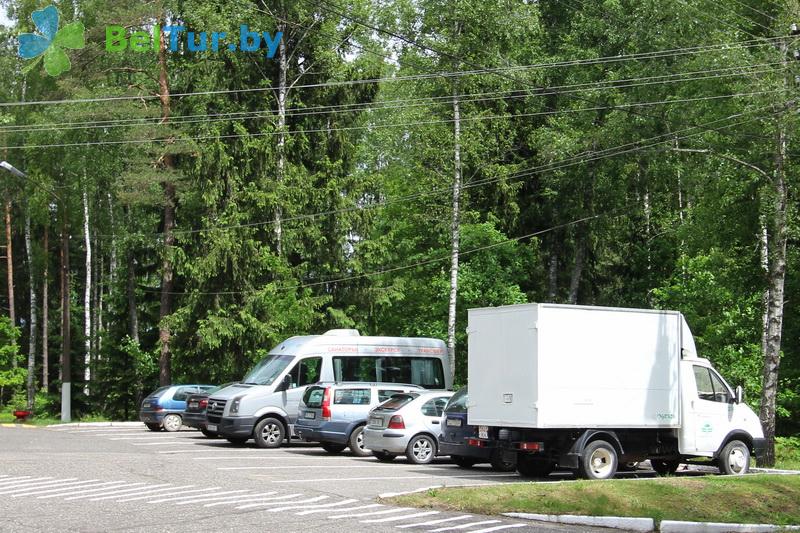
(268, 369)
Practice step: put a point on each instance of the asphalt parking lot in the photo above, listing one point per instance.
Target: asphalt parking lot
(126, 478)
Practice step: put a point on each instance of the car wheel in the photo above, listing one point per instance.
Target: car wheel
(269, 433)
(498, 465)
(598, 461)
(330, 447)
(172, 422)
(734, 459)
(421, 450)
(209, 434)
(238, 441)
(356, 442)
(463, 462)
(153, 427)
(664, 467)
(531, 466)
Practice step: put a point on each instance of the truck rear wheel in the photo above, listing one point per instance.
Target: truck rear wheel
(598, 461)
(530, 466)
(734, 459)
(498, 465)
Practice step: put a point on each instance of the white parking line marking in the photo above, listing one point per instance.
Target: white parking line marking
(398, 518)
(162, 443)
(497, 528)
(323, 507)
(212, 498)
(221, 449)
(118, 493)
(357, 508)
(434, 522)
(22, 479)
(166, 437)
(465, 526)
(373, 513)
(275, 509)
(315, 466)
(97, 488)
(104, 432)
(176, 498)
(151, 493)
(11, 485)
(62, 486)
(37, 486)
(247, 457)
(276, 498)
(341, 479)
(138, 485)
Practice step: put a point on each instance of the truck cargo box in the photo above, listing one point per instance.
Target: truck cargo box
(565, 366)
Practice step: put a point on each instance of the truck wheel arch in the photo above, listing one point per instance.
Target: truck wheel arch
(591, 435)
(736, 434)
(279, 415)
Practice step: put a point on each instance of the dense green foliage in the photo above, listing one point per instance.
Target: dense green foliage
(636, 180)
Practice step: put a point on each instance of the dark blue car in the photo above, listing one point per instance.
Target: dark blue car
(456, 436)
(165, 406)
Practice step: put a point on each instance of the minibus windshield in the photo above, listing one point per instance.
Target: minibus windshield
(268, 369)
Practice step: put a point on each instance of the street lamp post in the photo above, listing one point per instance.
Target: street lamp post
(66, 380)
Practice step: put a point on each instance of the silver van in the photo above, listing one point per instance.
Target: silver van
(264, 406)
(335, 414)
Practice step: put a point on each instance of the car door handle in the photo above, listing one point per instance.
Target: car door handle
(435, 422)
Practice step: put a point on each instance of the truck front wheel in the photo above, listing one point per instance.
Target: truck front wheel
(269, 433)
(734, 459)
(530, 466)
(598, 461)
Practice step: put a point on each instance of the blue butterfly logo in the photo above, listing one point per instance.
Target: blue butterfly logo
(50, 41)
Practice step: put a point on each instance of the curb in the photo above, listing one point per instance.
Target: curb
(616, 522)
(677, 526)
(94, 424)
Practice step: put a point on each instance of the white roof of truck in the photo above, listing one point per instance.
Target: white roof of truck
(343, 341)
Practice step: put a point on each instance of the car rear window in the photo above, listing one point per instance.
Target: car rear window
(313, 397)
(457, 403)
(351, 396)
(397, 401)
(385, 394)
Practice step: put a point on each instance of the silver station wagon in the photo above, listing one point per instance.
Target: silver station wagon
(335, 414)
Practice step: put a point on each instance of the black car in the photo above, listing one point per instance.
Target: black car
(456, 434)
(195, 414)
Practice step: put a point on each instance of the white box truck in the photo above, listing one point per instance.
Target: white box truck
(589, 388)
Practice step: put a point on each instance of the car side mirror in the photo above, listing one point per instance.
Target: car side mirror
(286, 383)
(739, 394)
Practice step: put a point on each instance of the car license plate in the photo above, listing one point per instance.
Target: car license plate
(211, 427)
(146, 419)
(310, 415)
(483, 432)
(455, 422)
(193, 404)
(376, 421)
(146, 404)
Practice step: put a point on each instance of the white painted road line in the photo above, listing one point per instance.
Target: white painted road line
(151, 493)
(321, 507)
(497, 528)
(289, 467)
(465, 526)
(95, 488)
(434, 522)
(118, 493)
(138, 486)
(183, 495)
(199, 498)
(27, 484)
(373, 513)
(213, 498)
(345, 479)
(208, 449)
(247, 457)
(276, 509)
(162, 438)
(162, 443)
(357, 508)
(37, 486)
(398, 518)
(23, 479)
(44, 490)
(254, 498)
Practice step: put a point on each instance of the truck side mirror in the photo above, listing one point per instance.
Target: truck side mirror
(739, 394)
(286, 383)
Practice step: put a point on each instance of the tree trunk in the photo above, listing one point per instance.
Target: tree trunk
(31, 385)
(112, 267)
(577, 267)
(10, 271)
(281, 165)
(763, 237)
(552, 271)
(87, 296)
(66, 363)
(133, 319)
(455, 229)
(167, 269)
(45, 313)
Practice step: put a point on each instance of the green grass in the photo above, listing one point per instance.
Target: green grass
(8, 418)
(773, 499)
(787, 453)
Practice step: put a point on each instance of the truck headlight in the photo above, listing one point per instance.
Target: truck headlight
(235, 405)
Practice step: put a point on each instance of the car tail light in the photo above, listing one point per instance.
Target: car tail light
(203, 403)
(476, 442)
(326, 404)
(396, 422)
(158, 408)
